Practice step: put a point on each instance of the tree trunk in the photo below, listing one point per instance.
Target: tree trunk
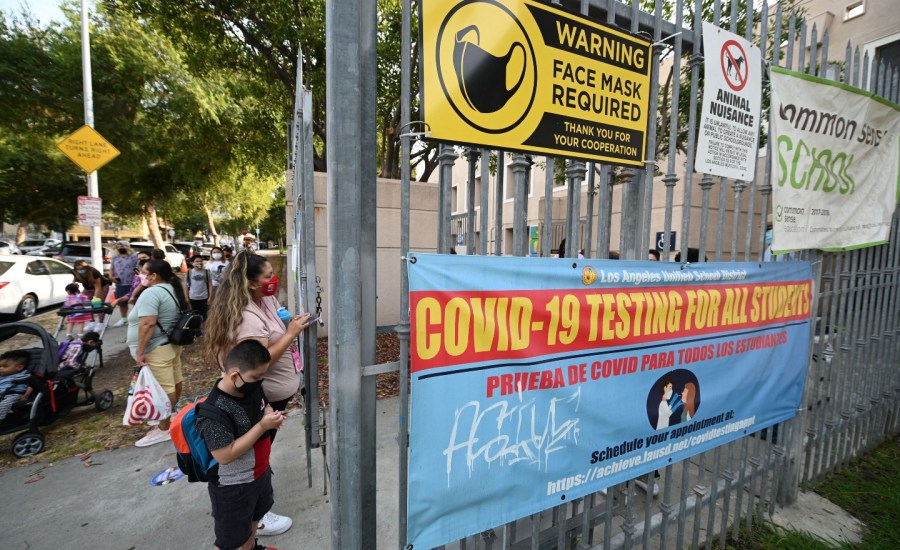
(212, 225)
(21, 232)
(153, 224)
(430, 163)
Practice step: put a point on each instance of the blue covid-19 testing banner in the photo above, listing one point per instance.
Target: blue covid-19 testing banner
(536, 381)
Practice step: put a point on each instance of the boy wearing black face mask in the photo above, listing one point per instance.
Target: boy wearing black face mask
(241, 489)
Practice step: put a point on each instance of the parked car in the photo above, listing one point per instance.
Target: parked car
(8, 248)
(72, 252)
(175, 258)
(37, 247)
(29, 282)
(188, 250)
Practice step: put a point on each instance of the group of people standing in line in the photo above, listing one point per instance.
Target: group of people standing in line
(243, 337)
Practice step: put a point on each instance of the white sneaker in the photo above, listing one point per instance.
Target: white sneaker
(121, 323)
(153, 437)
(273, 524)
(643, 486)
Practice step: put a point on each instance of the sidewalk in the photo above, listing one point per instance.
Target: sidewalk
(107, 502)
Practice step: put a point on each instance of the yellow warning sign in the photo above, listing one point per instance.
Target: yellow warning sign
(520, 75)
(88, 149)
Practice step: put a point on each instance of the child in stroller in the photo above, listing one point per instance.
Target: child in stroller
(55, 391)
(16, 383)
(72, 354)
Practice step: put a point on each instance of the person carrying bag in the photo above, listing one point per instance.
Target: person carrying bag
(152, 337)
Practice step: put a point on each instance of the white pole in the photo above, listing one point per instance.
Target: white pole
(96, 251)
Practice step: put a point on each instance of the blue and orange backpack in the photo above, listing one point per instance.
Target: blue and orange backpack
(194, 458)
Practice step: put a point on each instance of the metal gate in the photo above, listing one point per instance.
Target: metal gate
(851, 397)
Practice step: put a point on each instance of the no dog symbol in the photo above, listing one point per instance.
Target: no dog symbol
(734, 65)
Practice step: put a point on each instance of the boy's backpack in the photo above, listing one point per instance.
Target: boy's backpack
(186, 328)
(194, 458)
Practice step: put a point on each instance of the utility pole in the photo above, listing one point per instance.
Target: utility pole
(93, 186)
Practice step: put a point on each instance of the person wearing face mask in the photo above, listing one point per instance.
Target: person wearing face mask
(139, 281)
(665, 409)
(136, 286)
(95, 284)
(216, 268)
(154, 314)
(245, 308)
(121, 269)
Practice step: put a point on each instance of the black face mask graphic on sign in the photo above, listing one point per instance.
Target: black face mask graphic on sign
(484, 77)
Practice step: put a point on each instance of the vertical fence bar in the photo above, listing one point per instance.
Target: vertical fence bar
(604, 210)
(670, 180)
(521, 164)
(574, 177)
(484, 208)
(472, 155)
(751, 198)
(345, 107)
(650, 165)
(589, 216)
(695, 61)
(547, 224)
(446, 158)
(403, 327)
(498, 204)
(368, 253)
(792, 33)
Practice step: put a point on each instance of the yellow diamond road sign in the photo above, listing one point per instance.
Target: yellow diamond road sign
(88, 149)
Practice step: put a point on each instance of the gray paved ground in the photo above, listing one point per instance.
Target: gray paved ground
(109, 503)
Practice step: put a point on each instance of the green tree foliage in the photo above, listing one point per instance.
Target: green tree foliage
(37, 183)
(274, 227)
(261, 39)
(188, 138)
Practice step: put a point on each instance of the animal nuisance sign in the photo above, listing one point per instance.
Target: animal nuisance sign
(519, 75)
(729, 126)
(536, 382)
(88, 149)
(835, 162)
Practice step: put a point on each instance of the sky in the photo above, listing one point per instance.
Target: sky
(44, 10)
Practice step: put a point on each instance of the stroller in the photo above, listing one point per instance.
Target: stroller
(57, 392)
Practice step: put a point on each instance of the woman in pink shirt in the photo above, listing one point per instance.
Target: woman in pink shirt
(245, 308)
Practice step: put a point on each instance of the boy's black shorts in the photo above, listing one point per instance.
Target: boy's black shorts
(236, 507)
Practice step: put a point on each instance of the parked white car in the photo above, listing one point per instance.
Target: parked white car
(8, 248)
(37, 246)
(29, 282)
(173, 256)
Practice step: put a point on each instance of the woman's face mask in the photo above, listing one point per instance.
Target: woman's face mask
(143, 278)
(123, 251)
(769, 237)
(270, 287)
(81, 271)
(216, 256)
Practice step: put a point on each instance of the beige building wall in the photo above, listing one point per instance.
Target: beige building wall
(423, 238)
(868, 24)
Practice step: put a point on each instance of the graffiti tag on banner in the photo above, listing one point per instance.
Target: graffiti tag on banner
(520, 75)
(732, 95)
(835, 160)
(535, 382)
